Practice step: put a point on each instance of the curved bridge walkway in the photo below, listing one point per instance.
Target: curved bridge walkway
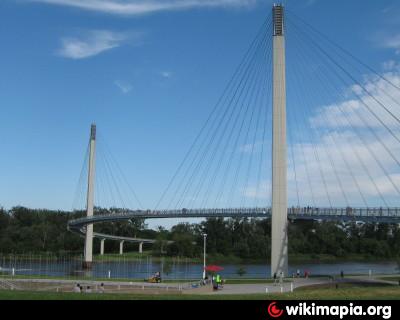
(376, 215)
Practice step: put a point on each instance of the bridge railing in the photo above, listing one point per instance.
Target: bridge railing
(349, 211)
(251, 212)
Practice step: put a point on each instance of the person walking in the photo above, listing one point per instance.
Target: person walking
(214, 283)
(281, 278)
(101, 290)
(275, 279)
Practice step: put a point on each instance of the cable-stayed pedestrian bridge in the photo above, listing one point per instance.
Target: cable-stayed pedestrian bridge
(302, 122)
(379, 215)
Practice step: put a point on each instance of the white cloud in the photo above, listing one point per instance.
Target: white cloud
(123, 86)
(139, 7)
(351, 161)
(353, 112)
(390, 65)
(90, 43)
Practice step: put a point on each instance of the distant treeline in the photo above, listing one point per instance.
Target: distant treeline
(24, 230)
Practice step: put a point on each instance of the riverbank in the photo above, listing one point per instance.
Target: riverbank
(230, 259)
(295, 258)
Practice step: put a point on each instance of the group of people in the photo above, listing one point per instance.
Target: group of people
(79, 289)
(306, 273)
(281, 276)
(280, 279)
(216, 281)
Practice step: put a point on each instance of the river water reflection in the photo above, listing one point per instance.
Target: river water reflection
(144, 268)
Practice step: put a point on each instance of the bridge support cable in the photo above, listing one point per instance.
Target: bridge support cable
(192, 171)
(262, 163)
(325, 38)
(247, 146)
(120, 176)
(325, 83)
(360, 135)
(236, 145)
(106, 182)
(216, 108)
(331, 136)
(216, 123)
(366, 91)
(259, 101)
(307, 105)
(249, 93)
(110, 192)
(114, 181)
(248, 103)
(354, 128)
(291, 143)
(365, 123)
(239, 93)
(317, 157)
(256, 95)
(230, 135)
(104, 196)
(297, 101)
(80, 190)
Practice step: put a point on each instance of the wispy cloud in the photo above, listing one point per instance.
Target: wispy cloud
(139, 7)
(90, 43)
(392, 42)
(166, 74)
(123, 86)
(310, 2)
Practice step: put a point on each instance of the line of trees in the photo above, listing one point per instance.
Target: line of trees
(25, 230)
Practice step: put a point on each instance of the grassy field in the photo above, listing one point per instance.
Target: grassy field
(228, 281)
(390, 278)
(312, 293)
(252, 281)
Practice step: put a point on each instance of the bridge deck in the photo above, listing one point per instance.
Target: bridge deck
(379, 215)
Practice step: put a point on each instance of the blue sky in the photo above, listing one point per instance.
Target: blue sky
(147, 72)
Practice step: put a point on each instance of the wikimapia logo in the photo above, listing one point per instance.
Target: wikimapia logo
(274, 311)
(302, 309)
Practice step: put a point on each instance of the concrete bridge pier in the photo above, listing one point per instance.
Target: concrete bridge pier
(121, 247)
(88, 251)
(279, 239)
(141, 247)
(102, 246)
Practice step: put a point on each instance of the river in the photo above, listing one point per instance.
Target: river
(144, 268)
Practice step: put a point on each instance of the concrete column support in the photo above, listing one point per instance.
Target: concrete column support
(121, 247)
(141, 247)
(87, 264)
(102, 246)
(279, 252)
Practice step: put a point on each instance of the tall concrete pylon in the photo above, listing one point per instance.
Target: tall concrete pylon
(279, 248)
(88, 259)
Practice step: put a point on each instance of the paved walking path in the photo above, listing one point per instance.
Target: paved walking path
(269, 287)
(289, 286)
(187, 288)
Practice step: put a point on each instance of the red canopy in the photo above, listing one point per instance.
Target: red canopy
(213, 268)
